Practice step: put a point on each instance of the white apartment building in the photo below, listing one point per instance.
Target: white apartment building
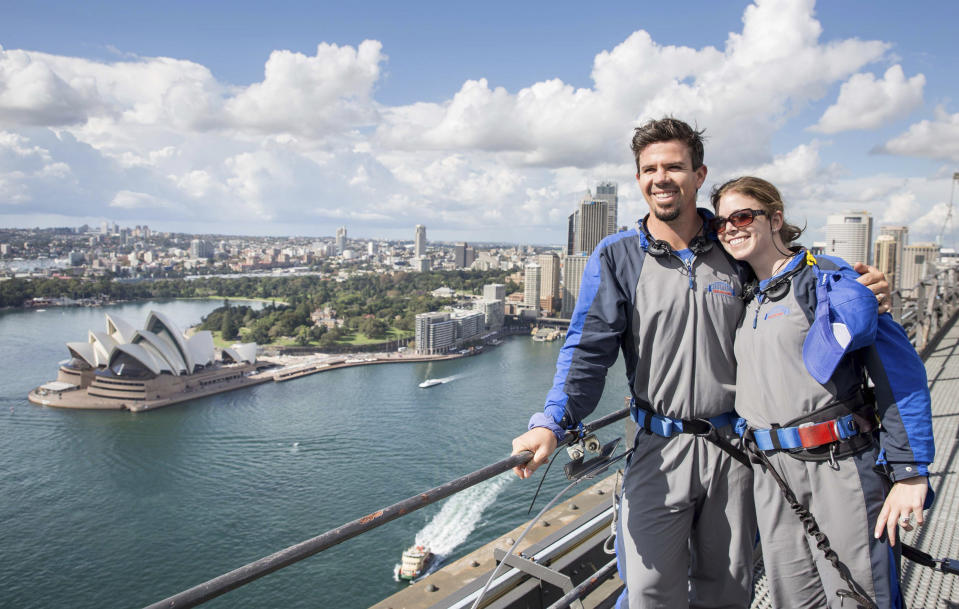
(531, 284)
(919, 261)
(849, 236)
(440, 332)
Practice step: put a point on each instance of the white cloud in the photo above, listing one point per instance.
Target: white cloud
(902, 208)
(799, 166)
(126, 199)
(12, 190)
(742, 94)
(315, 95)
(867, 103)
(931, 223)
(934, 139)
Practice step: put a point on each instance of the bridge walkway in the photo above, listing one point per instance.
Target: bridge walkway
(939, 537)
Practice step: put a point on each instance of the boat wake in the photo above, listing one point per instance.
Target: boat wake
(459, 517)
(432, 382)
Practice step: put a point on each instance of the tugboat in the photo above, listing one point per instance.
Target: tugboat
(414, 561)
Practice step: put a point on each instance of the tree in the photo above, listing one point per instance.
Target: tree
(228, 326)
(303, 335)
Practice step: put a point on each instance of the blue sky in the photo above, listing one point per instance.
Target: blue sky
(481, 121)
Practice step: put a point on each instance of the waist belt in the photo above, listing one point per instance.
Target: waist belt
(809, 435)
(668, 427)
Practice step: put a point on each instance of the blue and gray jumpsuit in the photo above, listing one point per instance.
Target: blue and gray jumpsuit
(844, 493)
(687, 525)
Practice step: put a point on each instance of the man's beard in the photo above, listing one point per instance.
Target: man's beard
(667, 215)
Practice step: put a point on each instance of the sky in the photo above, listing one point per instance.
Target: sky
(482, 121)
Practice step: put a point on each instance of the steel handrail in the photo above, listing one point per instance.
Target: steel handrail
(247, 573)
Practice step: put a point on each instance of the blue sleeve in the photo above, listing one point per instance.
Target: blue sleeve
(902, 396)
(592, 344)
(902, 401)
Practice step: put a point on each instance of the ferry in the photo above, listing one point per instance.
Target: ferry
(414, 561)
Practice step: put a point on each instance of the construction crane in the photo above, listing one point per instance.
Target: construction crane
(946, 223)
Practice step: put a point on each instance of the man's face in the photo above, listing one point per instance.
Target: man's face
(668, 180)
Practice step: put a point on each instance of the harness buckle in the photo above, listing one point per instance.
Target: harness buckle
(812, 435)
(700, 432)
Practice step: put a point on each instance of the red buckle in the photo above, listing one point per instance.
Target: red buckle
(812, 435)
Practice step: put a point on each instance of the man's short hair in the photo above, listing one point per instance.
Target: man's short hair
(666, 130)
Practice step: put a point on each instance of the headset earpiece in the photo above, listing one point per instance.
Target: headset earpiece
(657, 247)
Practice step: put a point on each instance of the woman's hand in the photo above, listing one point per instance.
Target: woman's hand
(875, 280)
(904, 500)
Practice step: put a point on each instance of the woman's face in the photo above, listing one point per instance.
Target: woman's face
(754, 241)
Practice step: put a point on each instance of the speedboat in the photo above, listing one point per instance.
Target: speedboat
(430, 383)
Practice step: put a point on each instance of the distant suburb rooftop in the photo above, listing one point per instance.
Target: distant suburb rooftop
(128, 369)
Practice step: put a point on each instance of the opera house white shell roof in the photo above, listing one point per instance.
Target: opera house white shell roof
(159, 347)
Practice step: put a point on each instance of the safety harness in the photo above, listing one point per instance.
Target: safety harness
(837, 430)
(668, 427)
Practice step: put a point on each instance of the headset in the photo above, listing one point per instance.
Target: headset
(657, 247)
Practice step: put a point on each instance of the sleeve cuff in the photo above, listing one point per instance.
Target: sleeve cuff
(541, 420)
(903, 471)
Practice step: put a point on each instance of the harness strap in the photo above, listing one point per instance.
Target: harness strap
(811, 435)
(668, 427)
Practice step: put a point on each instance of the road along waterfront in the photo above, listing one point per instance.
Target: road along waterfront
(133, 507)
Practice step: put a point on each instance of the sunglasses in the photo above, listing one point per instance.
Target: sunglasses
(739, 219)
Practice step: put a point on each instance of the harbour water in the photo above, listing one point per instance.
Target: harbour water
(118, 509)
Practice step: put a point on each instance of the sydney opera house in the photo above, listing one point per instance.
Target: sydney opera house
(125, 368)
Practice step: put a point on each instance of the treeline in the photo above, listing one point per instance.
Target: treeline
(372, 305)
(356, 296)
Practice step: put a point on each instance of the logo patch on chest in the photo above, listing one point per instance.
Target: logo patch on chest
(777, 311)
(721, 287)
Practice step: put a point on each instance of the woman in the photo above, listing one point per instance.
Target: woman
(809, 335)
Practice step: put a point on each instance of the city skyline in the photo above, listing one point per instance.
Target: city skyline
(305, 119)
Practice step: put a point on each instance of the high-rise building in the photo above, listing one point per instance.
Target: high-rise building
(549, 283)
(459, 255)
(849, 235)
(573, 268)
(884, 257)
(918, 261)
(371, 248)
(593, 223)
(419, 242)
(470, 256)
(492, 310)
(572, 229)
(421, 264)
(531, 285)
(901, 235)
(494, 291)
(607, 191)
(340, 239)
(201, 248)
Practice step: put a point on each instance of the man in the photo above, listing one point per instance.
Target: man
(669, 298)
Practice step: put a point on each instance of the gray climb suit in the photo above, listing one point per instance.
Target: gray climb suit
(687, 521)
(774, 387)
